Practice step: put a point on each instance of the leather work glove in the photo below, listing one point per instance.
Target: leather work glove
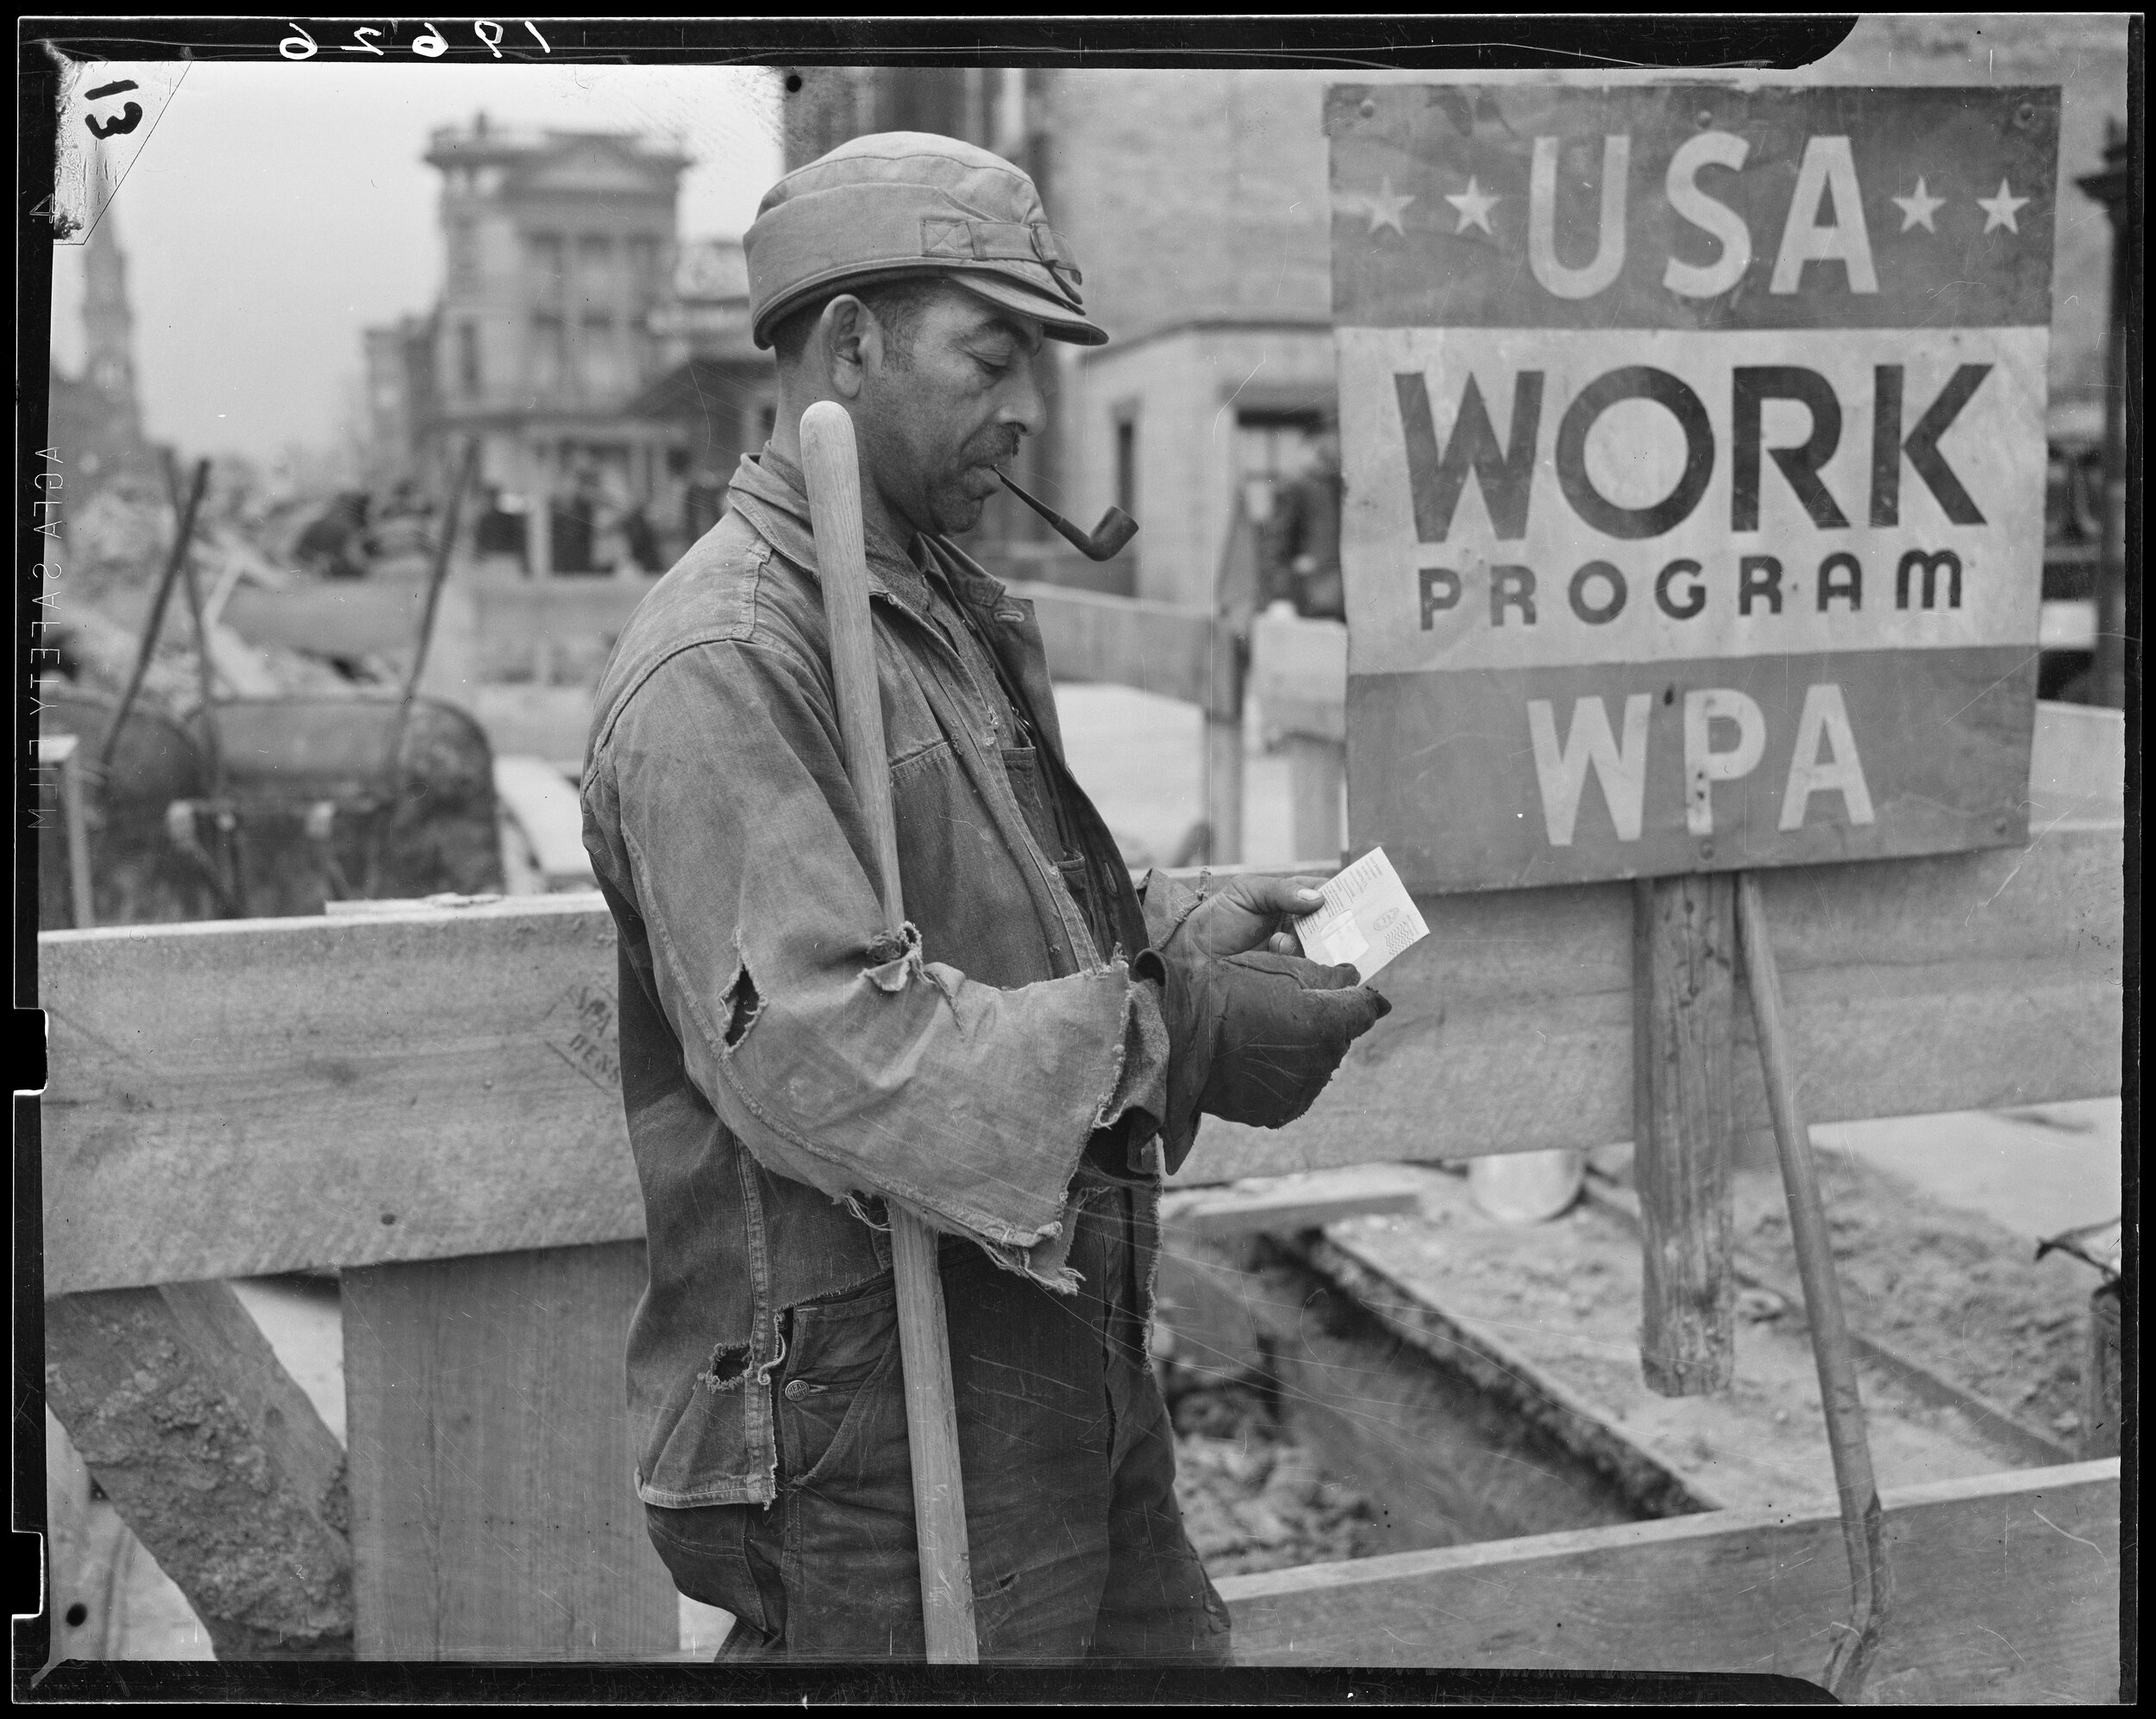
(1255, 1031)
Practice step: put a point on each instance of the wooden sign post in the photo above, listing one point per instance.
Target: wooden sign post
(1693, 441)
(1693, 444)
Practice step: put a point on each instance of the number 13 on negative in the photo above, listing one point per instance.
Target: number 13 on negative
(429, 44)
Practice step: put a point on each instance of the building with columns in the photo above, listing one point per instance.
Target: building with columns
(560, 248)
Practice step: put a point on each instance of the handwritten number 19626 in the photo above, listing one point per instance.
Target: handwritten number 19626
(429, 44)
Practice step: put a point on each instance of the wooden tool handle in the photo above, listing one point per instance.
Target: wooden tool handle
(833, 471)
(1861, 1523)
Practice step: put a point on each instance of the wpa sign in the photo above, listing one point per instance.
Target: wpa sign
(1695, 455)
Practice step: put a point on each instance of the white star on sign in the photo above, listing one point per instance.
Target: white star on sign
(1381, 206)
(1474, 204)
(1918, 209)
(1998, 211)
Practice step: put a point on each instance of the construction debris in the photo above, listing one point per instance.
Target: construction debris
(1252, 1498)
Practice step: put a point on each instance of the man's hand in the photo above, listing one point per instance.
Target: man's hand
(1251, 913)
(1255, 1031)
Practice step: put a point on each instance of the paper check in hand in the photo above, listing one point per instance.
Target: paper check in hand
(1367, 919)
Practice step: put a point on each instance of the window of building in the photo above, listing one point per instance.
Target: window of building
(643, 271)
(599, 354)
(464, 256)
(595, 269)
(468, 357)
(545, 252)
(1271, 448)
(1126, 463)
(549, 353)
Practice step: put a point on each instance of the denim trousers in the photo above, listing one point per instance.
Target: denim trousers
(1077, 1544)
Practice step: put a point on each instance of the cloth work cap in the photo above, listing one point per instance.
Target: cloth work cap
(910, 203)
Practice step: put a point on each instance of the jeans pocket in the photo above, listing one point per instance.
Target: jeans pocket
(842, 1360)
(706, 1551)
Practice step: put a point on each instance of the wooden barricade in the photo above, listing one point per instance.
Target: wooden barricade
(429, 1100)
(521, 655)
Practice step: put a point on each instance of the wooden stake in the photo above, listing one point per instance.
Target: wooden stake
(63, 752)
(833, 470)
(173, 565)
(1682, 1033)
(393, 759)
(1861, 1522)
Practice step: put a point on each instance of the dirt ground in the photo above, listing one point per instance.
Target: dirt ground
(1949, 1287)
(1563, 1297)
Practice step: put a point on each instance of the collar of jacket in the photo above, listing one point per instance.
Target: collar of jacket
(771, 493)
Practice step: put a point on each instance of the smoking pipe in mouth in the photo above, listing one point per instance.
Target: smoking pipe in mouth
(1107, 539)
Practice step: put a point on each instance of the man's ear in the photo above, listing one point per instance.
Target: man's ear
(850, 341)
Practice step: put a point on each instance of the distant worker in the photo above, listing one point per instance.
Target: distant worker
(335, 545)
(640, 540)
(1300, 553)
(500, 530)
(576, 526)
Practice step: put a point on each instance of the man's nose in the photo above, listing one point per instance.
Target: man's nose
(1023, 404)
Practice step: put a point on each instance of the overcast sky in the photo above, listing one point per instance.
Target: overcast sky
(277, 211)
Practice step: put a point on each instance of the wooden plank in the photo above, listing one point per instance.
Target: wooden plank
(494, 1513)
(514, 616)
(1299, 675)
(1684, 949)
(1163, 648)
(1284, 1205)
(2077, 765)
(1224, 791)
(2006, 1589)
(1915, 987)
(237, 1097)
(1316, 771)
(253, 1096)
(546, 808)
(214, 1457)
(84, 1546)
(533, 721)
(344, 617)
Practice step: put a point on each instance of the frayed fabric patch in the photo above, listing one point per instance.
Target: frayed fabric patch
(896, 958)
(729, 1369)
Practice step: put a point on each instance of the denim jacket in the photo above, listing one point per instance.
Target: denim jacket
(784, 1060)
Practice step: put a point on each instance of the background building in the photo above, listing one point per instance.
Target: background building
(561, 304)
(96, 418)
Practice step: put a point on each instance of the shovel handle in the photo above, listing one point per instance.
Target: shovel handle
(832, 467)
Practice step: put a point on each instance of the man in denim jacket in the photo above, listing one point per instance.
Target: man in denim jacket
(1019, 1069)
